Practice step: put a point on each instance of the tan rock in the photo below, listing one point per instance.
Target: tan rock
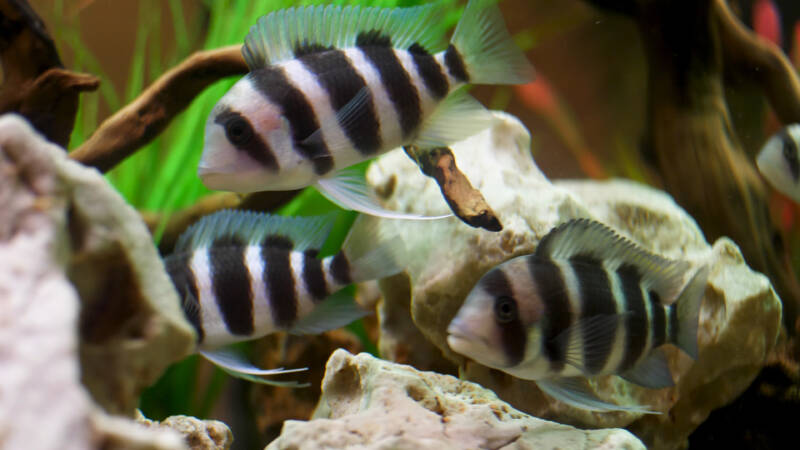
(368, 403)
(740, 316)
(197, 434)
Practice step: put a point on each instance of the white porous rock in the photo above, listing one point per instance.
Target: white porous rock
(369, 403)
(50, 223)
(739, 319)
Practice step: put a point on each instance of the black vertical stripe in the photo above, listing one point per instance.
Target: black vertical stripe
(245, 138)
(674, 323)
(512, 333)
(430, 71)
(313, 275)
(230, 280)
(279, 282)
(308, 48)
(658, 321)
(790, 155)
(342, 83)
(596, 299)
(395, 80)
(636, 323)
(455, 64)
(185, 283)
(340, 269)
(277, 241)
(273, 84)
(557, 312)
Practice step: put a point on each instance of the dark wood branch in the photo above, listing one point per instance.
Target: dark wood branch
(466, 202)
(747, 54)
(35, 84)
(143, 119)
(696, 151)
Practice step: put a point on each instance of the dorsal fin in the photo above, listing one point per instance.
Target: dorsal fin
(252, 228)
(277, 36)
(587, 237)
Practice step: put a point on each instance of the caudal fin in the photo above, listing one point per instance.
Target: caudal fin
(490, 55)
(687, 309)
(371, 251)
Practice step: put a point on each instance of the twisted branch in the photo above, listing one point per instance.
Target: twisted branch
(142, 120)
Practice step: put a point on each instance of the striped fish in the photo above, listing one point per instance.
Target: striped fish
(332, 86)
(243, 275)
(779, 162)
(588, 302)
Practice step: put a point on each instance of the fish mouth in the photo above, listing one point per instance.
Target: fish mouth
(459, 338)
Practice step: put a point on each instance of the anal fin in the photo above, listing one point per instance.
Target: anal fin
(347, 188)
(336, 311)
(575, 392)
(235, 364)
(652, 372)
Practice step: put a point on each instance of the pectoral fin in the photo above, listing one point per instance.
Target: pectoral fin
(348, 189)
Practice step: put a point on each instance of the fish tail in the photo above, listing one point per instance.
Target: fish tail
(489, 54)
(371, 252)
(687, 312)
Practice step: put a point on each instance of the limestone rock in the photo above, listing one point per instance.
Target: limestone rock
(38, 306)
(57, 217)
(368, 403)
(739, 320)
(131, 325)
(197, 434)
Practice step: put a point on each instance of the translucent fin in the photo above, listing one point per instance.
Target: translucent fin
(373, 252)
(251, 228)
(347, 188)
(456, 118)
(349, 113)
(688, 311)
(336, 311)
(235, 364)
(489, 53)
(587, 237)
(575, 392)
(589, 340)
(652, 372)
(277, 36)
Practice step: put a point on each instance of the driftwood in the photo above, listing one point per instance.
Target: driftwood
(35, 84)
(690, 46)
(142, 120)
(466, 202)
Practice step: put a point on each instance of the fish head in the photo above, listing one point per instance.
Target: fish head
(779, 162)
(498, 324)
(247, 143)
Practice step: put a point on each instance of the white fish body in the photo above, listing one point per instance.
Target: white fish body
(586, 303)
(333, 86)
(779, 163)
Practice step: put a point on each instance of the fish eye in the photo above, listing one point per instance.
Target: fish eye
(505, 309)
(788, 152)
(238, 130)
